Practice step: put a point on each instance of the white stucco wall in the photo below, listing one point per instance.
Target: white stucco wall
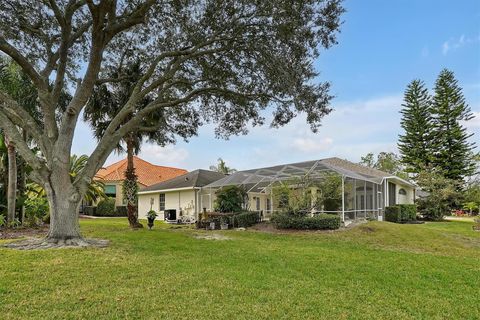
(253, 203)
(181, 201)
(409, 198)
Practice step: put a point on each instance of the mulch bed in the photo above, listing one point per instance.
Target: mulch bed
(6, 234)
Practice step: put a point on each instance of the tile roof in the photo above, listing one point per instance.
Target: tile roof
(197, 178)
(147, 173)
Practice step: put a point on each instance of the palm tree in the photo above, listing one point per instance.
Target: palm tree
(95, 191)
(105, 103)
(18, 86)
(222, 167)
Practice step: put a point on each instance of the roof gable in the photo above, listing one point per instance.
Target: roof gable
(147, 173)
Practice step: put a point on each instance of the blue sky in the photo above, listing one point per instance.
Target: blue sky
(382, 47)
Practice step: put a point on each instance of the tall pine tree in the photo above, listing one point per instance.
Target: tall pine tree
(453, 151)
(415, 144)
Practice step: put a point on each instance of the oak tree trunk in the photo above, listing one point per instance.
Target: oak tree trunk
(12, 182)
(64, 201)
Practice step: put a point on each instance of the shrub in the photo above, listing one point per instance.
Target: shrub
(476, 226)
(3, 221)
(393, 214)
(299, 222)
(401, 213)
(36, 209)
(230, 199)
(245, 219)
(14, 224)
(121, 211)
(408, 212)
(89, 210)
(106, 208)
(443, 195)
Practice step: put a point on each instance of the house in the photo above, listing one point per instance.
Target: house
(178, 197)
(365, 191)
(147, 174)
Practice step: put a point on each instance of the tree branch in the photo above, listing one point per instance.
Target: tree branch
(132, 19)
(21, 146)
(28, 68)
(23, 119)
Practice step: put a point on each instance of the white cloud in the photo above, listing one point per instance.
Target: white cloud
(454, 44)
(445, 48)
(168, 156)
(351, 131)
(309, 145)
(475, 122)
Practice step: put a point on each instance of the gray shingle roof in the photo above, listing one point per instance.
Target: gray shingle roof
(197, 178)
(355, 167)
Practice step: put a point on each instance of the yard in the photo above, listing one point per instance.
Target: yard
(376, 270)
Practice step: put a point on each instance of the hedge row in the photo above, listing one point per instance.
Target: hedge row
(105, 210)
(246, 219)
(401, 213)
(317, 222)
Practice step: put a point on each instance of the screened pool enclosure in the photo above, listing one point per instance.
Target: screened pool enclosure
(364, 191)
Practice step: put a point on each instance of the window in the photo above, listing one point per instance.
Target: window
(111, 191)
(269, 205)
(258, 203)
(161, 201)
(402, 192)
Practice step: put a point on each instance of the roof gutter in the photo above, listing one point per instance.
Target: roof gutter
(167, 190)
(408, 183)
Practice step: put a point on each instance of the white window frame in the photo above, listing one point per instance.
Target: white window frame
(160, 202)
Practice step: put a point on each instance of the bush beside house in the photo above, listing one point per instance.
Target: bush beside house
(302, 222)
(401, 213)
(245, 219)
(105, 208)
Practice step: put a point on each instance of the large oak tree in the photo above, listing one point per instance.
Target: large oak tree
(202, 61)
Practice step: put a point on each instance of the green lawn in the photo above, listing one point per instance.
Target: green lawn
(378, 270)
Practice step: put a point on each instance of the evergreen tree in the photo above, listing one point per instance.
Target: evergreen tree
(415, 143)
(453, 151)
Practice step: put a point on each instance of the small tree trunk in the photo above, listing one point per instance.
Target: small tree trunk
(130, 186)
(21, 183)
(12, 182)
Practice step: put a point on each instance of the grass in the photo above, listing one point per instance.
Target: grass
(377, 270)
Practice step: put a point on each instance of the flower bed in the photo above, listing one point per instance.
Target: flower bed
(241, 219)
